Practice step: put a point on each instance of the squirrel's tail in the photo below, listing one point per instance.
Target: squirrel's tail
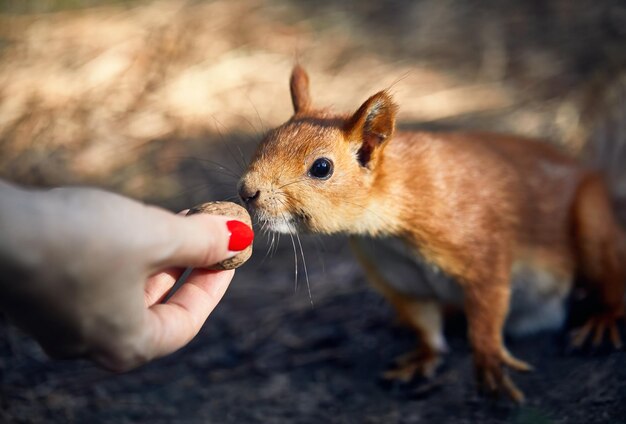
(604, 122)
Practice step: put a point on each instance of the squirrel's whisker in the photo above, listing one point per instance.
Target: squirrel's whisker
(306, 273)
(242, 164)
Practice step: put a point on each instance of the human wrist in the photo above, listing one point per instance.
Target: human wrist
(20, 252)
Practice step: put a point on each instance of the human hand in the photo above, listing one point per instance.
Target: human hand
(84, 272)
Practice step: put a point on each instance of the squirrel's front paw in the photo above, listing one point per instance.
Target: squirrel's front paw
(492, 375)
(421, 362)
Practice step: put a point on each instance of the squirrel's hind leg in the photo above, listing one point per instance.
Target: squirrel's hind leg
(601, 253)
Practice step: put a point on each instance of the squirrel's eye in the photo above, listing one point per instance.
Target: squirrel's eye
(322, 169)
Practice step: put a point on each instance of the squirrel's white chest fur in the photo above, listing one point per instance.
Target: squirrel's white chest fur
(537, 299)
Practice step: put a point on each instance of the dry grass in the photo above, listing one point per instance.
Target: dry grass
(116, 96)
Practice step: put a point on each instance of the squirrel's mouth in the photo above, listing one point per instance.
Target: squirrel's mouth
(285, 223)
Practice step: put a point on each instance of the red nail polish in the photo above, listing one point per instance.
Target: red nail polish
(241, 235)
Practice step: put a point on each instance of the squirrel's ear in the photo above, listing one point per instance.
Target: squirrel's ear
(299, 85)
(372, 124)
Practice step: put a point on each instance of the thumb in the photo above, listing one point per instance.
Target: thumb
(204, 240)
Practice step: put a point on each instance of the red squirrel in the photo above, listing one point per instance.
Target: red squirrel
(509, 220)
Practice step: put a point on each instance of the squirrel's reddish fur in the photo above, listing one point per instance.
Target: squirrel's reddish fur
(478, 206)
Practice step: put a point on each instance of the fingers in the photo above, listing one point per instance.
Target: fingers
(202, 240)
(159, 284)
(173, 324)
(166, 327)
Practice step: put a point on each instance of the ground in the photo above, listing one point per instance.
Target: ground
(165, 101)
(267, 355)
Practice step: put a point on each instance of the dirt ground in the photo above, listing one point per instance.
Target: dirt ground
(267, 355)
(164, 101)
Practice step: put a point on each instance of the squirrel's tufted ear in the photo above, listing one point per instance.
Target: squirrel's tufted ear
(299, 85)
(371, 125)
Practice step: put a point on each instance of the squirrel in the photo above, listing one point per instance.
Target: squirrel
(508, 221)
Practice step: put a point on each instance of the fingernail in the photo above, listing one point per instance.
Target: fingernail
(241, 235)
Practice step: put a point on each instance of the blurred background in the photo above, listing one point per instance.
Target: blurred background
(165, 101)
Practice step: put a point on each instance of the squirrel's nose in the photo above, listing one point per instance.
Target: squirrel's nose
(247, 194)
